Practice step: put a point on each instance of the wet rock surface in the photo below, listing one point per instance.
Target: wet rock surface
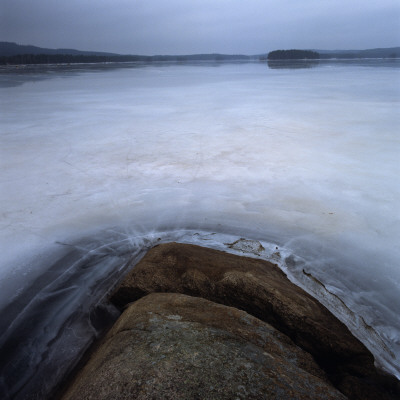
(173, 346)
(262, 290)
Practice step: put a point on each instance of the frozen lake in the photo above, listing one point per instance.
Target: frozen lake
(100, 162)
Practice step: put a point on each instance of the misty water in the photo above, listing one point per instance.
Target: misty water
(101, 162)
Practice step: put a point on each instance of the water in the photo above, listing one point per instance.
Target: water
(99, 163)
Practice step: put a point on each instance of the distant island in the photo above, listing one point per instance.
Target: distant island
(15, 54)
(293, 55)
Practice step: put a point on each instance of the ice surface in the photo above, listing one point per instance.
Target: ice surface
(98, 163)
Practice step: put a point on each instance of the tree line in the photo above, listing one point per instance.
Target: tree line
(293, 55)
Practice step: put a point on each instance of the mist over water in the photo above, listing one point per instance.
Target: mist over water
(100, 163)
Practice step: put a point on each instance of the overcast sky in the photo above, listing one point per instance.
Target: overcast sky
(201, 26)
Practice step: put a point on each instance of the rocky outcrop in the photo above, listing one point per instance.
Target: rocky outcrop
(173, 346)
(262, 290)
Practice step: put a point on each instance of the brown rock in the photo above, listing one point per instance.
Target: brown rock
(172, 346)
(263, 290)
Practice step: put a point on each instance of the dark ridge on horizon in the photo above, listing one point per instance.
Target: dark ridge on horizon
(15, 54)
(357, 50)
(390, 52)
(8, 49)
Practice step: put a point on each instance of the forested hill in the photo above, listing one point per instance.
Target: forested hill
(12, 53)
(9, 49)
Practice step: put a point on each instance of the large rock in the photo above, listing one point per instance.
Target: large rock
(263, 290)
(172, 346)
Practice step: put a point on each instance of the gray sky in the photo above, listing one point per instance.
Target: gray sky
(201, 26)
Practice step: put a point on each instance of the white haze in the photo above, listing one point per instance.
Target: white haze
(303, 159)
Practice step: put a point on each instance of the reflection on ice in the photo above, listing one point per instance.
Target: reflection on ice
(305, 160)
(292, 64)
